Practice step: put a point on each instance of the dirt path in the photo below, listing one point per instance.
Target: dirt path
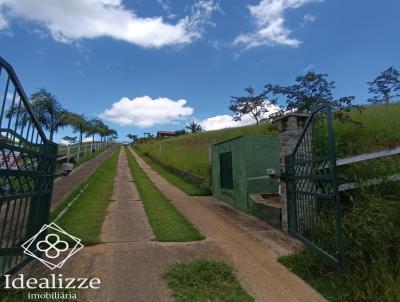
(257, 268)
(66, 184)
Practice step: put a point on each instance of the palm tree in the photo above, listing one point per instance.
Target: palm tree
(132, 137)
(79, 123)
(50, 113)
(112, 134)
(94, 127)
(104, 131)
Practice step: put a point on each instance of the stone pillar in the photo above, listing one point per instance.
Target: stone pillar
(290, 128)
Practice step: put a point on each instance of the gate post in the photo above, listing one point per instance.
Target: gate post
(290, 128)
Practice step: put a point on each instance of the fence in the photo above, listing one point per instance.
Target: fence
(66, 152)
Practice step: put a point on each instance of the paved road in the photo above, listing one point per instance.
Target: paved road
(66, 184)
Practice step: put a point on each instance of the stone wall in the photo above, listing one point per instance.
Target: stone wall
(290, 128)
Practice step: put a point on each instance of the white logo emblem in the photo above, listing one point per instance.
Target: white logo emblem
(56, 251)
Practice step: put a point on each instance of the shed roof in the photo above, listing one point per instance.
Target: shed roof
(166, 132)
(227, 140)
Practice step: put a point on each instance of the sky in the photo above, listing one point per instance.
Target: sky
(148, 65)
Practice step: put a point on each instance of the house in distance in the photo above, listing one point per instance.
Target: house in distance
(166, 134)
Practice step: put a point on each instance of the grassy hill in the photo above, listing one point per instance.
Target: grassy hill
(190, 152)
(380, 129)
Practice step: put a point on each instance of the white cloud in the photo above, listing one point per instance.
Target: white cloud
(3, 21)
(270, 24)
(308, 18)
(147, 112)
(227, 121)
(73, 20)
(224, 121)
(87, 139)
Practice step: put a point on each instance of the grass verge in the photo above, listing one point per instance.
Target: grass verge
(178, 181)
(66, 201)
(205, 280)
(309, 267)
(85, 217)
(168, 224)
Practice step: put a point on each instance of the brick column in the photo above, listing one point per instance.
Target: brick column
(290, 128)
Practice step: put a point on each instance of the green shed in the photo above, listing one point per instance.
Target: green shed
(239, 168)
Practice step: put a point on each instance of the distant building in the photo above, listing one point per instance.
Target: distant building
(165, 134)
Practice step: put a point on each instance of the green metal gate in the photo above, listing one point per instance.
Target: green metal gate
(27, 164)
(314, 208)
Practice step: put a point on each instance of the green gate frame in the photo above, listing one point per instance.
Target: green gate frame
(27, 167)
(313, 201)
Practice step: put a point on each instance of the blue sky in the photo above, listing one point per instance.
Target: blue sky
(155, 64)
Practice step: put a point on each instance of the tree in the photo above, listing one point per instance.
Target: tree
(132, 137)
(256, 106)
(112, 134)
(79, 124)
(385, 87)
(94, 127)
(49, 112)
(310, 91)
(180, 132)
(194, 127)
(104, 131)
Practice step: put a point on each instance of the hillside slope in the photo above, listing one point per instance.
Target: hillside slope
(380, 130)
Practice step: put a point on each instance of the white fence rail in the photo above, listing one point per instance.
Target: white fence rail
(363, 158)
(367, 156)
(66, 152)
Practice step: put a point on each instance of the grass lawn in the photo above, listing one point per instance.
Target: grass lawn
(168, 224)
(176, 180)
(205, 280)
(85, 217)
(379, 130)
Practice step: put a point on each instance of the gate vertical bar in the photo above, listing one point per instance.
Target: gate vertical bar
(338, 205)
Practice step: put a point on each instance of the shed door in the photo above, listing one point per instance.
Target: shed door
(225, 162)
